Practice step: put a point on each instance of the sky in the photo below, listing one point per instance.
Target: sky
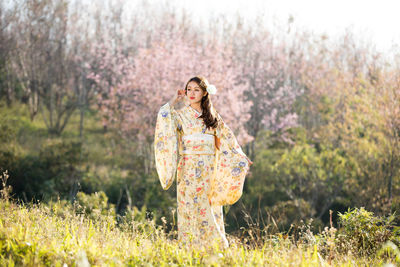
(375, 21)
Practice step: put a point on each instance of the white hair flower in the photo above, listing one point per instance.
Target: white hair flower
(211, 89)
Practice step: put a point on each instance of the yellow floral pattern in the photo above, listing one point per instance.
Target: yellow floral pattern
(207, 177)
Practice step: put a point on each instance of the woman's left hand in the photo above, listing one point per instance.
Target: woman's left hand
(250, 162)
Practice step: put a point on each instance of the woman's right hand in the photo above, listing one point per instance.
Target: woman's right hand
(178, 97)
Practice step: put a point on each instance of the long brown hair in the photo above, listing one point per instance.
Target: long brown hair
(209, 119)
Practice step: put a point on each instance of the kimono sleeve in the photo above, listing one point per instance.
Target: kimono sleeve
(230, 169)
(166, 145)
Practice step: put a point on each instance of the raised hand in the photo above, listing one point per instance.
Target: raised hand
(178, 97)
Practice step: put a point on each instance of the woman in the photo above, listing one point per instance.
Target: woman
(195, 144)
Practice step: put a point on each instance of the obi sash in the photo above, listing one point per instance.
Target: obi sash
(198, 143)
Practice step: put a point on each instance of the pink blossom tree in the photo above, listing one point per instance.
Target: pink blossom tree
(131, 90)
(272, 75)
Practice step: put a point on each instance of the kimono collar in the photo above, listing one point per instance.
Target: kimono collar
(193, 110)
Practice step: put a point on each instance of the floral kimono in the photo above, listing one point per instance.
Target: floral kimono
(208, 177)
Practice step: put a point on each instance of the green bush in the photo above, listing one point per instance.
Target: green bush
(94, 206)
(363, 232)
(54, 171)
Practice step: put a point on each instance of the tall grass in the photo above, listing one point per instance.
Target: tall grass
(56, 235)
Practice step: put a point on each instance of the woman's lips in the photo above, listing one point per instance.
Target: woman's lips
(192, 98)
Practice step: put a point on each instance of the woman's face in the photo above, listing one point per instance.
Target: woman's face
(194, 92)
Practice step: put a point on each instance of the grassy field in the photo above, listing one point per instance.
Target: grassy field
(52, 235)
